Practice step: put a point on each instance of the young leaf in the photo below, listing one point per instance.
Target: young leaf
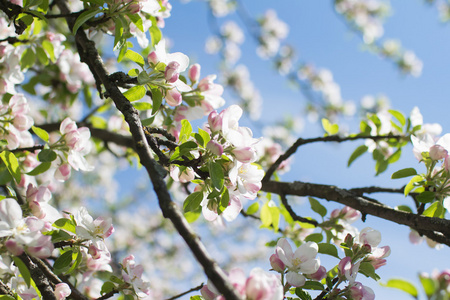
(28, 58)
(192, 201)
(156, 99)
(23, 270)
(404, 173)
(186, 130)
(317, 207)
(399, 116)
(328, 249)
(137, 92)
(313, 285)
(425, 197)
(410, 186)
(329, 128)
(253, 208)
(12, 164)
(357, 153)
(434, 210)
(217, 176)
(64, 260)
(47, 155)
(40, 169)
(41, 133)
(402, 285)
(136, 57)
(314, 237)
(84, 17)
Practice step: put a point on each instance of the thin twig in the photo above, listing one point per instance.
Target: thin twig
(197, 288)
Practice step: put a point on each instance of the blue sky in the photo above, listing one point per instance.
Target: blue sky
(321, 37)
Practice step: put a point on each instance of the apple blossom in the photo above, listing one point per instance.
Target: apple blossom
(303, 260)
(62, 291)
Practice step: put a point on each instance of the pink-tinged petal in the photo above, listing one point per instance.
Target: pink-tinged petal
(207, 293)
(180, 58)
(310, 266)
(320, 274)
(208, 214)
(10, 212)
(370, 236)
(233, 209)
(284, 252)
(67, 125)
(13, 247)
(444, 141)
(306, 251)
(181, 86)
(194, 73)
(173, 97)
(295, 279)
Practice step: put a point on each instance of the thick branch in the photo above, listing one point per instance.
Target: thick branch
(332, 138)
(422, 224)
(90, 56)
(39, 278)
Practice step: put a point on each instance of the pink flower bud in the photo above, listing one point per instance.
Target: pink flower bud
(13, 247)
(359, 291)
(63, 172)
(335, 213)
(173, 97)
(153, 58)
(215, 147)
(276, 263)
(62, 291)
(22, 122)
(320, 274)
(194, 73)
(215, 121)
(171, 73)
(94, 252)
(437, 152)
(244, 154)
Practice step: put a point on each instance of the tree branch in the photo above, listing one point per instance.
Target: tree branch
(438, 228)
(331, 138)
(90, 56)
(39, 278)
(197, 288)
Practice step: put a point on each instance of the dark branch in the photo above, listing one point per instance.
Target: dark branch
(332, 138)
(170, 210)
(439, 228)
(294, 216)
(39, 278)
(197, 288)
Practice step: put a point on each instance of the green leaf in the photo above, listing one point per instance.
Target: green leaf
(142, 105)
(314, 237)
(317, 207)
(136, 19)
(253, 208)
(60, 235)
(64, 260)
(28, 58)
(425, 197)
(193, 201)
(192, 216)
(404, 208)
(12, 164)
(155, 32)
(434, 210)
(328, 249)
(137, 92)
(186, 130)
(66, 224)
(275, 213)
(329, 128)
(107, 287)
(404, 173)
(41, 133)
(47, 155)
(43, 167)
(156, 99)
(225, 199)
(48, 47)
(368, 270)
(199, 139)
(410, 186)
(119, 38)
(265, 215)
(402, 285)
(429, 285)
(217, 176)
(143, 77)
(42, 56)
(135, 72)
(302, 294)
(205, 136)
(84, 17)
(23, 270)
(313, 285)
(357, 153)
(136, 57)
(399, 116)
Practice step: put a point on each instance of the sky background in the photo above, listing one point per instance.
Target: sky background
(321, 37)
